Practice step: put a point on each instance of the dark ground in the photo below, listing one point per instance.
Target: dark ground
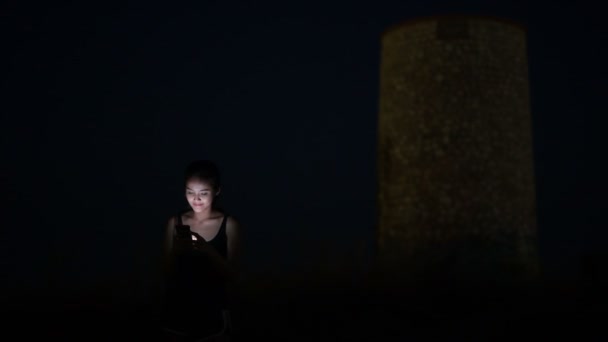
(335, 313)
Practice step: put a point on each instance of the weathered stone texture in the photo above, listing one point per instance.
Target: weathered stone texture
(455, 161)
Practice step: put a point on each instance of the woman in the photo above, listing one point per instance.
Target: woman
(202, 250)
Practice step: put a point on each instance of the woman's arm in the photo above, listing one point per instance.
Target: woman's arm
(235, 246)
(165, 261)
(167, 246)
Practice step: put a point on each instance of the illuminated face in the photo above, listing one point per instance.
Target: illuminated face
(199, 194)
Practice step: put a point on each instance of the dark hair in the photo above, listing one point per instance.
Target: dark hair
(204, 170)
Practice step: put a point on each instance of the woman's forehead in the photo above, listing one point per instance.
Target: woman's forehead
(197, 184)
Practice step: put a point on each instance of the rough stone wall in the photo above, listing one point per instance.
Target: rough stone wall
(455, 164)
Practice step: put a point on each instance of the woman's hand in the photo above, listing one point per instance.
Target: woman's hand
(182, 243)
(199, 244)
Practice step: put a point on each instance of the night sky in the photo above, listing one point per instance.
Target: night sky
(103, 106)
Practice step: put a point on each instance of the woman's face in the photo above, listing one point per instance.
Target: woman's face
(199, 194)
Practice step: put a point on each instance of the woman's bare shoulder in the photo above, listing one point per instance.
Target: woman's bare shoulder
(232, 225)
(232, 222)
(185, 215)
(172, 220)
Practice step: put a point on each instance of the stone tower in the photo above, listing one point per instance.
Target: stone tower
(456, 190)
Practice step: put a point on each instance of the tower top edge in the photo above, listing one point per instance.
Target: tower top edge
(462, 16)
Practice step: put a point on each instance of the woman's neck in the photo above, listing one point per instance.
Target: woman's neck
(203, 215)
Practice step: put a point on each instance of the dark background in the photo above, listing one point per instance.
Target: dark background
(103, 106)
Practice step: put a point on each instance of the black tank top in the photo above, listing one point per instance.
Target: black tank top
(219, 241)
(196, 290)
